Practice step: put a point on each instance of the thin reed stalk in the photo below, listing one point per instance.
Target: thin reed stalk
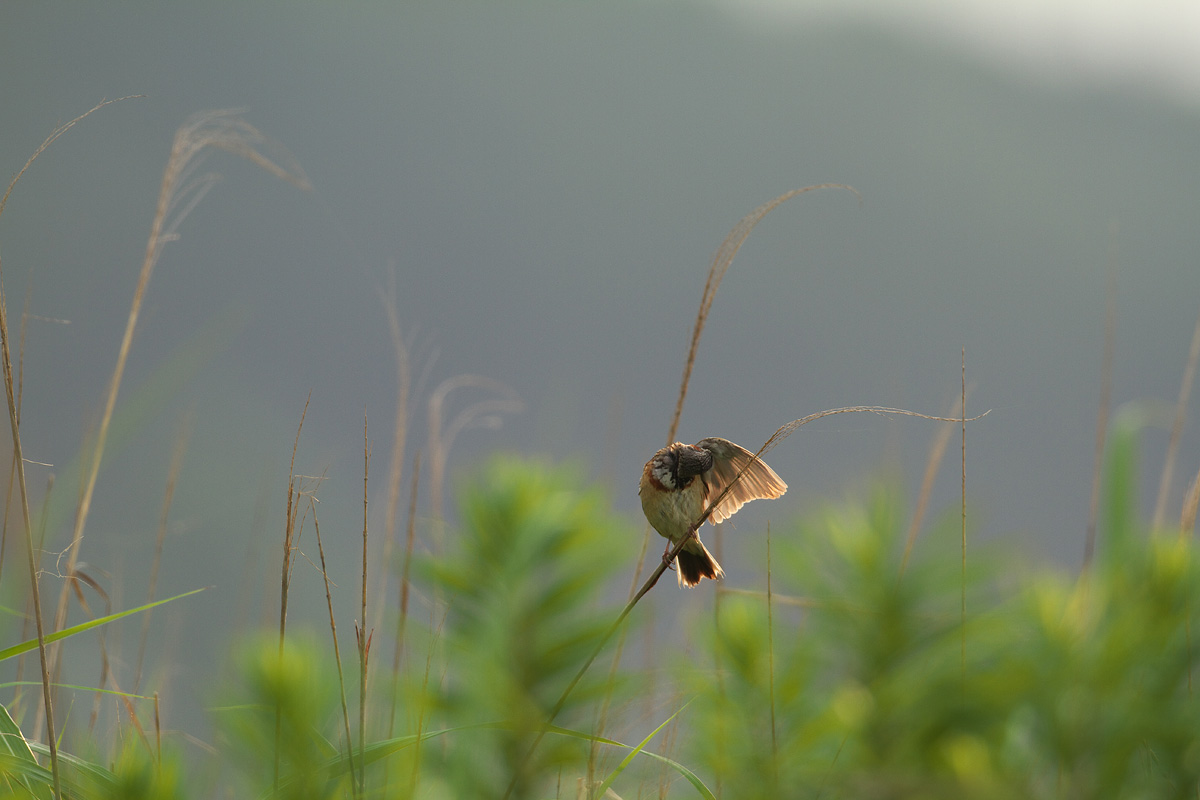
(399, 441)
(402, 622)
(936, 452)
(337, 655)
(771, 658)
(1181, 405)
(48, 705)
(364, 637)
(289, 535)
(963, 508)
(442, 435)
(1191, 501)
(12, 472)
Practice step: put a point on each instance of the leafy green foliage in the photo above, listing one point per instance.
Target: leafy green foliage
(862, 679)
(1053, 688)
(522, 583)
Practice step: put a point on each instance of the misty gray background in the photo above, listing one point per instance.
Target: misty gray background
(546, 184)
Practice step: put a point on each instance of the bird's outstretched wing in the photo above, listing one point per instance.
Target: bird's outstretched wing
(729, 460)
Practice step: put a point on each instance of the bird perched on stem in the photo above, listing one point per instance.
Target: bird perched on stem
(680, 481)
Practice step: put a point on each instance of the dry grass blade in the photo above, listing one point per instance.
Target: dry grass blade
(399, 441)
(442, 436)
(57, 132)
(1187, 519)
(337, 655)
(771, 653)
(402, 623)
(1185, 389)
(937, 451)
(12, 473)
(721, 261)
(289, 530)
(364, 638)
(289, 536)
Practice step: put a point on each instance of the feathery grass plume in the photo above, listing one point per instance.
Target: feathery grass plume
(179, 193)
(716, 273)
(442, 435)
(522, 583)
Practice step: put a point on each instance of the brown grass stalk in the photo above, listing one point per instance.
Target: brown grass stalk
(12, 472)
(1187, 516)
(402, 621)
(364, 637)
(1181, 405)
(290, 533)
(771, 656)
(337, 655)
(716, 273)
(962, 409)
(442, 435)
(937, 451)
(399, 441)
(157, 733)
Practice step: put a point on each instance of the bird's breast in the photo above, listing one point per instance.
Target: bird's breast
(671, 513)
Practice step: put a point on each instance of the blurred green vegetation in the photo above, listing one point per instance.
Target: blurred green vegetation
(860, 677)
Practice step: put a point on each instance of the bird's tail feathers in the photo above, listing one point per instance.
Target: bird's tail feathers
(692, 566)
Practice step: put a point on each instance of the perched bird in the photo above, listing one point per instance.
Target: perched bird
(681, 480)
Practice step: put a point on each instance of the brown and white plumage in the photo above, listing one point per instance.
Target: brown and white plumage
(681, 480)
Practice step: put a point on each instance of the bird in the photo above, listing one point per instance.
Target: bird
(680, 481)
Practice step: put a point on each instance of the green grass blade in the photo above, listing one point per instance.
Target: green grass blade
(18, 768)
(690, 776)
(25, 647)
(633, 753)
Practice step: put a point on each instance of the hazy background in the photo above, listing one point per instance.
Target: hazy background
(546, 184)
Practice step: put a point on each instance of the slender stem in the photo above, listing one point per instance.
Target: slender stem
(33, 572)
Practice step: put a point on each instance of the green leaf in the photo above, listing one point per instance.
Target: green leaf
(25, 647)
(612, 776)
(17, 764)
